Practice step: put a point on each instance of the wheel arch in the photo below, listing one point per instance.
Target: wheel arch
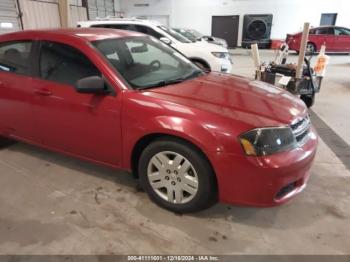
(200, 60)
(313, 43)
(144, 141)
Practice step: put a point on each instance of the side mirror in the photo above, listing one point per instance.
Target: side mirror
(92, 85)
(165, 40)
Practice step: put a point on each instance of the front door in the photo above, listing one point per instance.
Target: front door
(84, 125)
(226, 27)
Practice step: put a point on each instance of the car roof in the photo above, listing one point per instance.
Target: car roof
(120, 21)
(328, 26)
(89, 34)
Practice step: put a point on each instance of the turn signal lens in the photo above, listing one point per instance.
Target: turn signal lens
(248, 147)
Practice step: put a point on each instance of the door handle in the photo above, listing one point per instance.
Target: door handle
(43, 92)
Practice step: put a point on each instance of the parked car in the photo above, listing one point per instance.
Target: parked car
(128, 101)
(208, 56)
(194, 36)
(337, 39)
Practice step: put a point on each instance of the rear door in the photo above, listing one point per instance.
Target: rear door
(342, 39)
(16, 92)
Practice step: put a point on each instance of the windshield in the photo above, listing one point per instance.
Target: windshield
(145, 62)
(175, 34)
(186, 34)
(196, 33)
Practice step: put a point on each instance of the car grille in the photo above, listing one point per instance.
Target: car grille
(301, 130)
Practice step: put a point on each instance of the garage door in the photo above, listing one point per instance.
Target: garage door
(40, 14)
(101, 8)
(9, 20)
(77, 13)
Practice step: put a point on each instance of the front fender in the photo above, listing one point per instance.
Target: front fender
(193, 132)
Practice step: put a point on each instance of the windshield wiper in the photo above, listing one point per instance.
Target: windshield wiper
(162, 83)
(171, 81)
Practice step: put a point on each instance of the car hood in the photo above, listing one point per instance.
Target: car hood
(254, 102)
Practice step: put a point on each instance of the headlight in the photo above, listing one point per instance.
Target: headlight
(267, 141)
(222, 55)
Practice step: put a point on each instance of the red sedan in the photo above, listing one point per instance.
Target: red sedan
(336, 39)
(128, 101)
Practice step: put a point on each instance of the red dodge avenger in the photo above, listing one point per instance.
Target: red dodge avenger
(128, 101)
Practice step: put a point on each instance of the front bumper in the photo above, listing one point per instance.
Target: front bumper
(264, 181)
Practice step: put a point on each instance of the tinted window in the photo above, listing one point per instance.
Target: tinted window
(324, 31)
(341, 31)
(64, 64)
(117, 26)
(14, 57)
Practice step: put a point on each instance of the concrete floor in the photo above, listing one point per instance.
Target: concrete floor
(52, 204)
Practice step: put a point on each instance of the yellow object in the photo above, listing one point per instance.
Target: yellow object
(248, 147)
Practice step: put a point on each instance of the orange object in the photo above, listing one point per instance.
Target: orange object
(276, 43)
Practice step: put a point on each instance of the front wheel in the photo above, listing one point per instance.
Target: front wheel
(177, 176)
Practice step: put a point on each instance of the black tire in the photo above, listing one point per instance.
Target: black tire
(206, 194)
(5, 142)
(310, 48)
(309, 100)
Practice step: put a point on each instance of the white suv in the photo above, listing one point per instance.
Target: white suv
(206, 55)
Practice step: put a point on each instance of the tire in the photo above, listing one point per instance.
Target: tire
(188, 188)
(5, 142)
(310, 48)
(309, 100)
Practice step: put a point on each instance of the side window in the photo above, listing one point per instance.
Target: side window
(324, 31)
(341, 31)
(148, 31)
(64, 64)
(14, 57)
(118, 26)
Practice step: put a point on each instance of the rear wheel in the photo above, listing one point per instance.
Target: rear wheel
(310, 48)
(177, 176)
(4, 142)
